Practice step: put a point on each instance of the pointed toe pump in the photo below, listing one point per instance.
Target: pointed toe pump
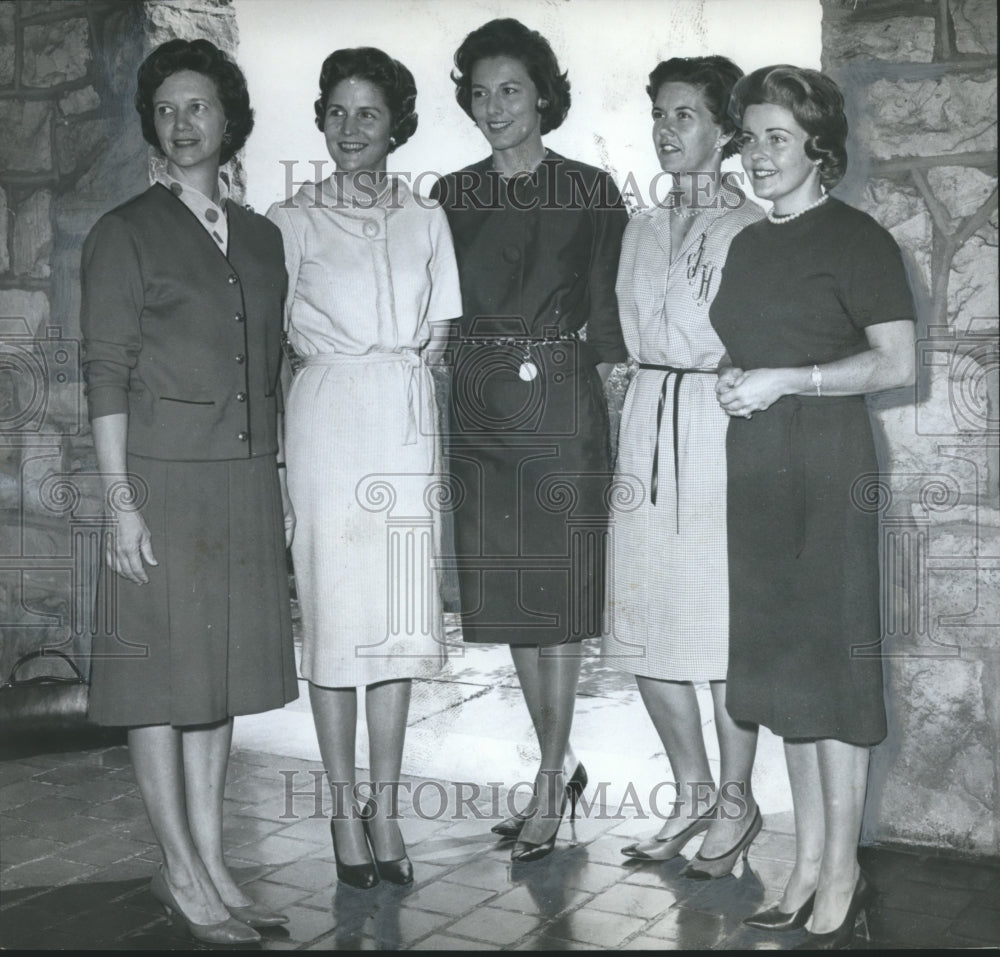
(257, 915)
(524, 852)
(398, 871)
(667, 848)
(511, 826)
(775, 919)
(362, 876)
(708, 868)
(855, 919)
(228, 931)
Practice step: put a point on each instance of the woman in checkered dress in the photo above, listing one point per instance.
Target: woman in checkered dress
(667, 608)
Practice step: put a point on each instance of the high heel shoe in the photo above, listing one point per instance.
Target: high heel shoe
(363, 876)
(857, 915)
(670, 847)
(257, 915)
(775, 919)
(511, 826)
(707, 868)
(574, 787)
(398, 871)
(228, 931)
(524, 852)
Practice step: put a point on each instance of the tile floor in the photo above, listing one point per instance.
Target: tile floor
(76, 855)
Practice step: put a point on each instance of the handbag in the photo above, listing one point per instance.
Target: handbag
(44, 704)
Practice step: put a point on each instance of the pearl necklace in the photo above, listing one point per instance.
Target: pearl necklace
(781, 220)
(684, 212)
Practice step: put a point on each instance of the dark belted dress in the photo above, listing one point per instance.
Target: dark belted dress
(529, 447)
(803, 535)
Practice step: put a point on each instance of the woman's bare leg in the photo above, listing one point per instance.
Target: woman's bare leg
(843, 774)
(335, 713)
(387, 705)
(810, 825)
(525, 658)
(737, 749)
(558, 674)
(673, 709)
(158, 759)
(206, 757)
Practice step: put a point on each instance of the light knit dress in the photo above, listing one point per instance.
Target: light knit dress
(361, 441)
(667, 609)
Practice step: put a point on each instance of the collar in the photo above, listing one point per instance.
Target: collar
(211, 215)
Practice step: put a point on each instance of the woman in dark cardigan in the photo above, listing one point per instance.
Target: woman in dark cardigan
(181, 319)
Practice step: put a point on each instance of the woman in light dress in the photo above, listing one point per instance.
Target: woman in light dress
(668, 609)
(371, 275)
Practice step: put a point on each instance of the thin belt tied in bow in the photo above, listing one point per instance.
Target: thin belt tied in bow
(678, 374)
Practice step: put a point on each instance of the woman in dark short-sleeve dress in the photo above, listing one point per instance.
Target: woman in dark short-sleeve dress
(815, 311)
(537, 238)
(181, 318)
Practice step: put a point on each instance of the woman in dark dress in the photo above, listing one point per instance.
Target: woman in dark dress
(815, 312)
(537, 238)
(181, 317)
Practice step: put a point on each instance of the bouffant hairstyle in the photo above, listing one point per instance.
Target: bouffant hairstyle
(389, 76)
(511, 38)
(715, 76)
(817, 105)
(206, 58)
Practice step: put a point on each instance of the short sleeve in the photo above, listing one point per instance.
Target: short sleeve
(875, 287)
(446, 295)
(438, 189)
(110, 313)
(604, 332)
(278, 215)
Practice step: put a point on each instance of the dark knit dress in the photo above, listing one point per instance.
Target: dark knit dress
(803, 537)
(530, 457)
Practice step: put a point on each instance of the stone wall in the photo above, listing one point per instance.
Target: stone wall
(920, 81)
(71, 149)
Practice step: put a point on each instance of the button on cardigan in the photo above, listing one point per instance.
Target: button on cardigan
(160, 343)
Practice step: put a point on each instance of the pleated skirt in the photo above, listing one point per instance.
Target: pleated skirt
(210, 635)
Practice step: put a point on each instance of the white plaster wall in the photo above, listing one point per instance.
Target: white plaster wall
(608, 47)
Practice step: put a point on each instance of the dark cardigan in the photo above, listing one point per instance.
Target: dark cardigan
(182, 338)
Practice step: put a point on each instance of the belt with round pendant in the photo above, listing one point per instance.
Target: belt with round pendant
(528, 370)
